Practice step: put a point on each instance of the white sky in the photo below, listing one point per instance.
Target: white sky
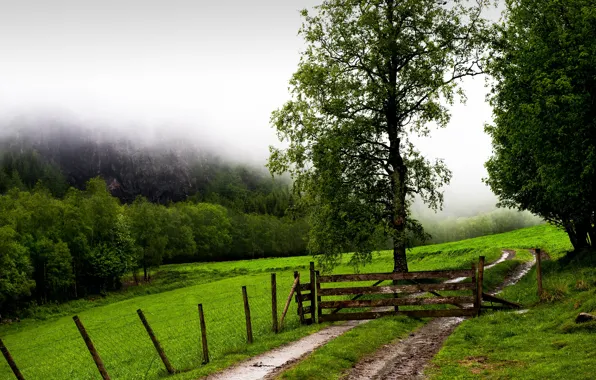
(213, 70)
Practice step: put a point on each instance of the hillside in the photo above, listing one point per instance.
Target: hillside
(128, 352)
(167, 170)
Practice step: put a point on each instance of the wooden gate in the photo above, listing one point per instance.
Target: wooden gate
(305, 297)
(414, 294)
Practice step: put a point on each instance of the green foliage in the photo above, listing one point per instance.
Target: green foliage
(147, 229)
(544, 131)
(53, 268)
(373, 75)
(210, 227)
(246, 190)
(86, 242)
(24, 170)
(15, 268)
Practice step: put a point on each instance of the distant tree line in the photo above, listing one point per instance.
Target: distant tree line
(237, 187)
(56, 249)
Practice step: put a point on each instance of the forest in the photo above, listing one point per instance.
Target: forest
(58, 242)
(55, 249)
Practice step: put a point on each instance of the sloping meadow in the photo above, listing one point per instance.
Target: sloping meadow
(54, 349)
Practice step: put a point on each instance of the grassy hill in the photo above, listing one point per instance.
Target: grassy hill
(543, 343)
(52, 348)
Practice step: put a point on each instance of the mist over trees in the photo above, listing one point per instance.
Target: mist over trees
(61, 155)
(78, 213)
(460, 228)
(64, 239)
(58, 242)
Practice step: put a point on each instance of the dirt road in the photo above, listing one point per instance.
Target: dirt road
(264, 365)
(407, 358)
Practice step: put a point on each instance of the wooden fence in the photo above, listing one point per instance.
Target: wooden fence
(407, 294)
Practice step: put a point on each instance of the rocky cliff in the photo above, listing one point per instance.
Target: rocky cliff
(162, 172)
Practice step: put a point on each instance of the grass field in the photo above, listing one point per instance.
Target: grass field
(52, 348)
(544, 343)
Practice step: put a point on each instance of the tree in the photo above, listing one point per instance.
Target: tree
(210, 228)
(15, 268)
(181, 244)
(147, 229)
(544, 104)
(53, 269)
(374, 74)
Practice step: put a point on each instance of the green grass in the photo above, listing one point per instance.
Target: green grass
(329, 361)
(52, 348)
(544, 343)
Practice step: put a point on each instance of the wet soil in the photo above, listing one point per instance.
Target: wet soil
(407, 358)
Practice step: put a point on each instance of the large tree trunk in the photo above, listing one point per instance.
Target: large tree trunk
(400, 262)
(579, 234)
(398, 167)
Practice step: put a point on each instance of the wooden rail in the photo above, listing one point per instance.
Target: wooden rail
(396, 276)
(395, 302)
(410, 313)
(395, 289)
(505, 304)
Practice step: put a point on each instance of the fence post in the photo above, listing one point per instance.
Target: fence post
(274, 302)
(91, 348)
(247, 315)
(298, 299)
(10, 361)
(475, 289)
(203, 335)
(156, 343)
(479, 282)
(319, 310)
(539, 271)
(313, 299)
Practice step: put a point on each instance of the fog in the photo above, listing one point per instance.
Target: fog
(205, 72)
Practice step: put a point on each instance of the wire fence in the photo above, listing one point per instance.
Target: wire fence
(126, 349)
